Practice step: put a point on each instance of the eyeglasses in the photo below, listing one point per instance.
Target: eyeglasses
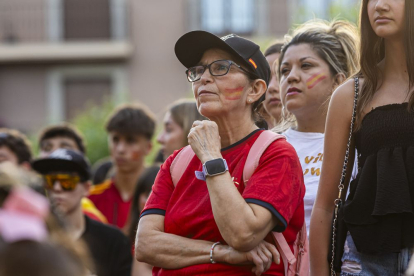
(216, 68)
(68, 182)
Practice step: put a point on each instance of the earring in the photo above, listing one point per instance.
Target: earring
(249, 100)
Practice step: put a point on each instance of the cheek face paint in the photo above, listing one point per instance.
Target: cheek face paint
(233, 93)
(135, 155)
(315, 79)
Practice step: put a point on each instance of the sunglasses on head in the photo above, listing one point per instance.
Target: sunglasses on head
(67, 182)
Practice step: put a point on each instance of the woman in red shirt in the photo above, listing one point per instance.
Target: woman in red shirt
(210, 222)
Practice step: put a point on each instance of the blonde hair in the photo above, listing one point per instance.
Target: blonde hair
(335, 42)
(184, 112)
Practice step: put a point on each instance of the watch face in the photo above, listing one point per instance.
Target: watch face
(215, 166)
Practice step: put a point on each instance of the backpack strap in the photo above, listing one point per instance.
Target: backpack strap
(286, 253)
(253, 158)
(284, 249)
(180, 163)
(184, 157)
(260, 145)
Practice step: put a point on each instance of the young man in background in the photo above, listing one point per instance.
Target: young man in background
(67, 180)
(130, 130)
(66, 136)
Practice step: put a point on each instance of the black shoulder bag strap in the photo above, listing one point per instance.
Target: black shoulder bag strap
(338, 201)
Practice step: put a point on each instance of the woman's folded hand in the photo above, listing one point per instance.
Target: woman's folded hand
(261, 256)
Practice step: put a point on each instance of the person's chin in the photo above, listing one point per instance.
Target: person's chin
(127, 168)
(386, 32)
(209, 109)
(61, 207)
(124, 164)
(276, 112)
(293, 104)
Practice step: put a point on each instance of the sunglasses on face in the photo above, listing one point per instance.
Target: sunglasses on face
(216, 68)
(66, 181)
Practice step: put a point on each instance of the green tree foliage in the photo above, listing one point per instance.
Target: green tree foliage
(336, 9)
(91, 123)
(342, 11)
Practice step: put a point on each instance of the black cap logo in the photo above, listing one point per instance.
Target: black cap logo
(224, 38)
(60, 154)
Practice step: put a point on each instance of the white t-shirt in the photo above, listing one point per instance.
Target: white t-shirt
(309, 147)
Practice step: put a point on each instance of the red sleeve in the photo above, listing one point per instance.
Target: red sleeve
(277, 183)
(161, 190)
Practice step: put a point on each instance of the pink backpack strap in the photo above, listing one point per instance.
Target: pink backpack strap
(288, 257)
(260, 145)
(284, 249)
(180, 164)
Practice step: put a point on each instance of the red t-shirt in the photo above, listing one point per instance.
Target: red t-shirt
(108, 200)
(277, 185)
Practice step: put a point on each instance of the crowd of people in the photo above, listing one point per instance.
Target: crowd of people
(298, 161)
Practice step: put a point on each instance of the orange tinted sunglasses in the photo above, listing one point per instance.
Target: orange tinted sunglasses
(67, 182)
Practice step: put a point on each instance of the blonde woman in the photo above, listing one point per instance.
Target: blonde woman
(178, 121)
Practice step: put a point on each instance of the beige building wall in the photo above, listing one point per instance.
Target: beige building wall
(156, 77)
(279, 18)
(33, 94)
(23, 20)
(22, 97)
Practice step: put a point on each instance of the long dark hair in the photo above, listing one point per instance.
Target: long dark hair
(144, 185)
(373, 51)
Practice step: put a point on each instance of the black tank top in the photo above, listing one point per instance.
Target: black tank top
(379, 209)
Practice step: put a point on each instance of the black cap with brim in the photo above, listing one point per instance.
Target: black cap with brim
(64, 160)
(45, 166)
(190, 48)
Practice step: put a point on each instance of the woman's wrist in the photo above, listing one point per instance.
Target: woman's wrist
(212, 251)
(220, 253)
(210, 156)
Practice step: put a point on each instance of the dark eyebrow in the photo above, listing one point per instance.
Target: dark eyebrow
(302, 59)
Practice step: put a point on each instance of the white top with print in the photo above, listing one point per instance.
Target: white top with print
(309, 147)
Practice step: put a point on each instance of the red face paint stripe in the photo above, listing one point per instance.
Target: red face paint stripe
(135, 155)
(321, 78)
(312, 77)
(232, 90)
(254, 64)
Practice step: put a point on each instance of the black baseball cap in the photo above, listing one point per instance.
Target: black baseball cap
(190, 48)
(64, 160)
